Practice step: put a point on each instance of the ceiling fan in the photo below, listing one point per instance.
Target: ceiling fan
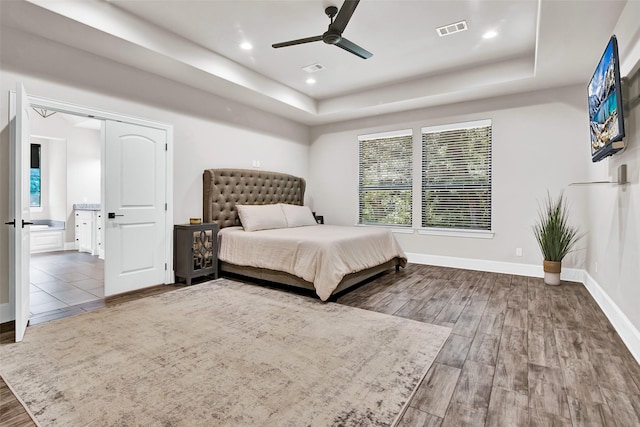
(333, 35)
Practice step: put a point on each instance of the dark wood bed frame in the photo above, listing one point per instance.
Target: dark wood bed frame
(224, 188)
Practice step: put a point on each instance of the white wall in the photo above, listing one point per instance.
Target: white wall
(614, 211)
(83, 172)
(209, 131)
(540, 143)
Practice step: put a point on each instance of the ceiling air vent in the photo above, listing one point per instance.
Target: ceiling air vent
(313, 68)
(452, 28)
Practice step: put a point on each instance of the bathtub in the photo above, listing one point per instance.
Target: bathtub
(47, 235)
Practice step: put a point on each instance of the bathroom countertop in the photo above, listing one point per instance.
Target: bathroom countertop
(47, 225)
(87, 206)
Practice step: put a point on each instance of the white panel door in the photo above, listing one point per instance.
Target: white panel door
(19, 195)
(135, 213)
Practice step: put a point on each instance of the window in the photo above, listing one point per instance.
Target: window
(456, 176)
(35, 177)
(385, 170)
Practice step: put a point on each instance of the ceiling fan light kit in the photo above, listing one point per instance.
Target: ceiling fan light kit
(333, 35)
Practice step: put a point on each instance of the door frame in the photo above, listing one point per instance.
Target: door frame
(94, 113)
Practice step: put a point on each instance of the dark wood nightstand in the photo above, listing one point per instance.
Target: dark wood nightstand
(195, 251)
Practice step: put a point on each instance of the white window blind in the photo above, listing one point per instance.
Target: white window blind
(456, 176)
(385, 169)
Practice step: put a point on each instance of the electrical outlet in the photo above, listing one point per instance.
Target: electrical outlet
(256, 163)
(518, 251)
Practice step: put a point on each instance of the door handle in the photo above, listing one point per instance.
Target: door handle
(112, 215)
(14, 223)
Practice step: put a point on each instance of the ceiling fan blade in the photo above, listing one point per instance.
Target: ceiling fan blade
(344, 15)
(354, 48)
(298, 41)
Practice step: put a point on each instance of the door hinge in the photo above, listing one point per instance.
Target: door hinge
(166, 147)
(165, 266)
(166, 207)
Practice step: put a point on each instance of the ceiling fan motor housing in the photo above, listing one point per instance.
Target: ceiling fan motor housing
(331, 37)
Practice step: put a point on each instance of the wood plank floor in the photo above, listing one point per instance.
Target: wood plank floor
(520, 353)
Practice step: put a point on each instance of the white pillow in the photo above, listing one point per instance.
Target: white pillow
(298, 216)
(261, 217)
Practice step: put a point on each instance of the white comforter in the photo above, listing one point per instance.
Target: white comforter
(321, 254)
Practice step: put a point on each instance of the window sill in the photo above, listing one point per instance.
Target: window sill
(457, 233)
(397, 230)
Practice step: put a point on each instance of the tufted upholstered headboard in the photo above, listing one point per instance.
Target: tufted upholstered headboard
(222, 189)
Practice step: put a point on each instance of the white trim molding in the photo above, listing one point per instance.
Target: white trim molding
(389, 134)
(621, 323)
(529, 270)
(456, 126)
(475, 234)
(623, 326)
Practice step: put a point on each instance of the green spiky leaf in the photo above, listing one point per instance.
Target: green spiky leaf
(553, 232)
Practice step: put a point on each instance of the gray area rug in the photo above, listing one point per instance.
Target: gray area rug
(221, 353)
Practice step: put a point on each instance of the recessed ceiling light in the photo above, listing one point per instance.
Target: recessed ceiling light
(311, 81)
(246, 46)
(489, 34)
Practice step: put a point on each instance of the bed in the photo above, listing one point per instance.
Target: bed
(333, 258)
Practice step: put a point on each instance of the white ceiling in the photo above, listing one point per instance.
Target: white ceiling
(540, 44)
(401, 35)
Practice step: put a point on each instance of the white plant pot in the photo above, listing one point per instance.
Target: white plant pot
(552, 272)
(552, 278)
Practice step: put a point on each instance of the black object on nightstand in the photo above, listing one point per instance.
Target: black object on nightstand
(319, 218)
(195, 251)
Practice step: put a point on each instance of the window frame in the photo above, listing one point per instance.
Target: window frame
(38, 207)
(456, 232)
(408, 187)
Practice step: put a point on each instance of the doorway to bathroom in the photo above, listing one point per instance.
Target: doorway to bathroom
(136, 196)
(67, 257)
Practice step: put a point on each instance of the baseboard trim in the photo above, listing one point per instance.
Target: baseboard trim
(568, 274)
(6, 313)
(621, 323)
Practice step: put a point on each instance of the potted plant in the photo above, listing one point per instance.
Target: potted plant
(555, 236)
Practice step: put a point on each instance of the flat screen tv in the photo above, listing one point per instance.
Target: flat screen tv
(605, 105)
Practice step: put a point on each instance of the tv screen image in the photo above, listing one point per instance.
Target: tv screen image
(605, 105)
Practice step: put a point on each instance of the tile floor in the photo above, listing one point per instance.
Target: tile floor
(63, 279)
